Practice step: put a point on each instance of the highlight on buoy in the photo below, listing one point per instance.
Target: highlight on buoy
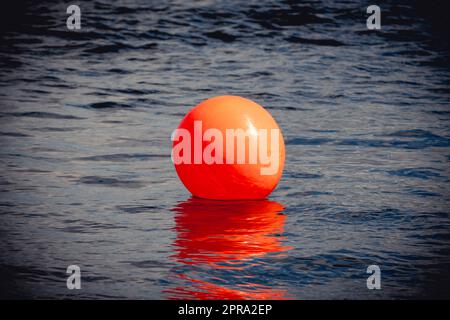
(228, 148)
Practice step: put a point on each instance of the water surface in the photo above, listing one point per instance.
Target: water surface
(86, 176)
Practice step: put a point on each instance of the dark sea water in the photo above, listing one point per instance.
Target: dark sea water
(86, 176)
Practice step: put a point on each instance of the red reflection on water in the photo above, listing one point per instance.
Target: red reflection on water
(218, 234)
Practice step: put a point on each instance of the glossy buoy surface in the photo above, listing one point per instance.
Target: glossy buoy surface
(229, 148)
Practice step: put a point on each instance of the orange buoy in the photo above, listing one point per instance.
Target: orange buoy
(228, 148)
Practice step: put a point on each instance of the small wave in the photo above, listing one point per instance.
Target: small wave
(138, 209)
(414, 133)
(220, 35)
(119, 71)
(111, 48)
(79, 226)
(149, 264)
(41, 114)
(414, 173)
(309, 193)
(107, 105)
(302, 175)
(14, 134)
(136, 91)
(281, 17)
(119, 157)
(433, 141)
(309, 141)
(424, 193)
(56, 129)
(111, 182)
(319, 42)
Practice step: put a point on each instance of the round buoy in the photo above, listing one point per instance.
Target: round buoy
(228, 148)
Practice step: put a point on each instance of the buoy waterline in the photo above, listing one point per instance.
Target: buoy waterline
(228, 148)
